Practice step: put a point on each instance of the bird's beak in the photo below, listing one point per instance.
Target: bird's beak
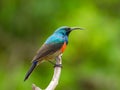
(75, 28)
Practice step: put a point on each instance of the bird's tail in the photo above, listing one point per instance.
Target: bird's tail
(34, 64)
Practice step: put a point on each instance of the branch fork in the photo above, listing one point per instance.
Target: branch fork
(54, 82)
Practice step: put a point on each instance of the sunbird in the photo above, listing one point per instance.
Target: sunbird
(53, 47)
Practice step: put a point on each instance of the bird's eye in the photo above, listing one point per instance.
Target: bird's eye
(68, 29)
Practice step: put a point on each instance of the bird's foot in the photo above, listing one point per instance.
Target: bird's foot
(58, 65)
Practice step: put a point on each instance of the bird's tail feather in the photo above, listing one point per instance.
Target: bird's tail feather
(34, 64)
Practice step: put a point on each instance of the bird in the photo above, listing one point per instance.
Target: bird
(52, 47)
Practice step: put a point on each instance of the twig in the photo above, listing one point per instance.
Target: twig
(54, 82)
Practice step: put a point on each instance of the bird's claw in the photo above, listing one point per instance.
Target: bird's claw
(58, 65)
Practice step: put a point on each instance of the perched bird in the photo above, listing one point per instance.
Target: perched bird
(53, 47)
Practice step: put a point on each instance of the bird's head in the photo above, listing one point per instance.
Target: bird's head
(65, 30)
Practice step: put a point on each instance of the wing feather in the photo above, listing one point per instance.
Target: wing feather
(47, 49)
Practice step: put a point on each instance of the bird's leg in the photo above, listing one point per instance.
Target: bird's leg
(55, 65)
(51, 62)
(58, 58)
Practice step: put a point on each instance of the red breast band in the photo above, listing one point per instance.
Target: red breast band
(63, 47)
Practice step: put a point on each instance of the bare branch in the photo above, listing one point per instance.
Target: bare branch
(34, 87)
(57, 71)
(54, 82)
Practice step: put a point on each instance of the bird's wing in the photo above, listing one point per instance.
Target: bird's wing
(47, 49)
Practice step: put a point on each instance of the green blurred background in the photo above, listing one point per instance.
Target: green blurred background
(92, 58)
